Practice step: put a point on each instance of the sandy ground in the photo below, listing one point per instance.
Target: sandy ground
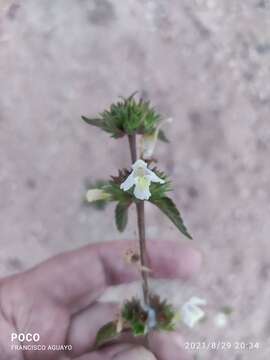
(206, 63)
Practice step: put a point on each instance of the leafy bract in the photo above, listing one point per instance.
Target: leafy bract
(126, 117)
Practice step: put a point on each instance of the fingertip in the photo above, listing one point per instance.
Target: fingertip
(85, 325)
(168, 345)
(135, 353)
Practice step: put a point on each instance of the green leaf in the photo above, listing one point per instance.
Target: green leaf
(106, 333)
(94, 122)
(127, 116)
(158, 190)
(167, 206)
(132, 310)
(162, 136)
(121, 216)
(116, 193)
(138, 329)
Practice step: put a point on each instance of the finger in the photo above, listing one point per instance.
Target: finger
(167, 345)
(120, 352)
(70, 277)
(85, 325)
(107, 353)
(135, 353)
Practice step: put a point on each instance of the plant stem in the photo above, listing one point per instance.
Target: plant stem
(132, 147)
(143, 253)
(141, 226)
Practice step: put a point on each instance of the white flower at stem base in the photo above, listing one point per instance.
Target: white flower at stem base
(191, 313)
(151, 317)
(96, 195)
(148, 141)
(141, 177)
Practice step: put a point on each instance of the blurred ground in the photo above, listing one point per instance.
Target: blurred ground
(206, 63)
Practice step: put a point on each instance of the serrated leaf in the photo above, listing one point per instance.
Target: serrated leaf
(121, 216)
(167, 206)
(162, 136)
(106, 333)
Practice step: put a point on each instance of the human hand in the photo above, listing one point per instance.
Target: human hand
(58, 300)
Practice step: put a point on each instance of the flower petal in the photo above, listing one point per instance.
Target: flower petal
(191, 314)
(148, 144)
(149, 141)
(153, 177)
(197, 301)
(128, 183)
(139, 163)
(141, 190)
(96, 194)
(141, 176)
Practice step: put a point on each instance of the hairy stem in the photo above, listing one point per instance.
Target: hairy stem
(141, 227)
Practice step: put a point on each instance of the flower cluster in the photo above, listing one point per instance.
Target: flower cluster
(139, 318)
(127, 117)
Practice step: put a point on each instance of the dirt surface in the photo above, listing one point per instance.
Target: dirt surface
(205, 63)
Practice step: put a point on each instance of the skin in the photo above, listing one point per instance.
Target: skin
(58, 300)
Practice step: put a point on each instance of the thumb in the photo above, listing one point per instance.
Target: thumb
(168, 345)
(120, 352)
(135, 353)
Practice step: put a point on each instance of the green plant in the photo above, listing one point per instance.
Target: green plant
(143, 181)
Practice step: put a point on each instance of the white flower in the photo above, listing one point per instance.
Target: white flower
(151, 318)
(141, 177)
(221, 320)
(96, 194)
(148, 142)
(191, 313)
